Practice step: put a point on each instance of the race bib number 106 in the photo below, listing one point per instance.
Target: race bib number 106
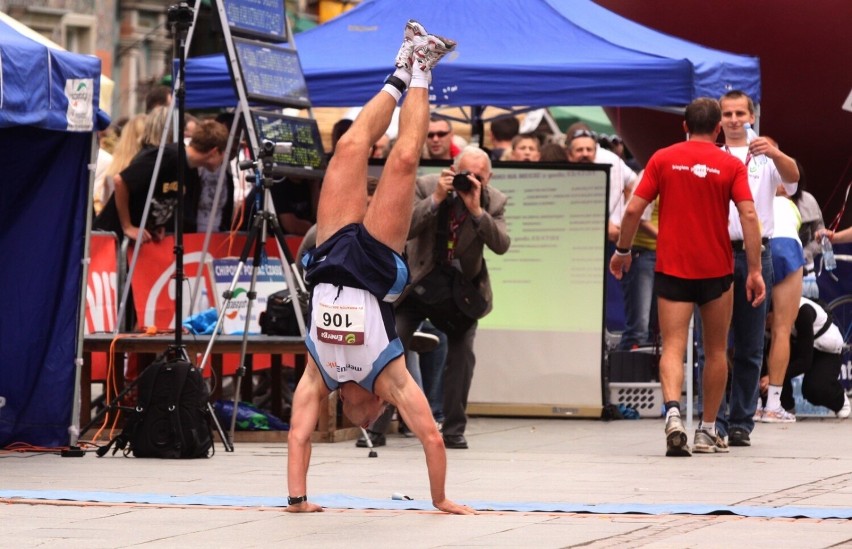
(340, 324)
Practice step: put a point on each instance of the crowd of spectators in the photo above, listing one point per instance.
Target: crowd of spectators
(790, 223)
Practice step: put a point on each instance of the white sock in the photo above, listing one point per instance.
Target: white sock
(773, 397)
(400, 78)
(393, 91)
(403, 75)
(709, 427)
(419, 78)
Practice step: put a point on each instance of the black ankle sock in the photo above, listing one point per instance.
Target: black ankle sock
(672, 404)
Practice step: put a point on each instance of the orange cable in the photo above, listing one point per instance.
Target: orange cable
(111, 381)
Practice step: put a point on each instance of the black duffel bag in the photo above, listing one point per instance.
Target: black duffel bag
(280, 316)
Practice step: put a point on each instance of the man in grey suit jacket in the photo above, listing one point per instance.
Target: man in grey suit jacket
(452, 227)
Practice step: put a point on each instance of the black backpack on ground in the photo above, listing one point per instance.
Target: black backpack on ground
(171, 419)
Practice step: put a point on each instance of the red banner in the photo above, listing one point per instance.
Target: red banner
(101, 294)
(102, 286)
(153, 281)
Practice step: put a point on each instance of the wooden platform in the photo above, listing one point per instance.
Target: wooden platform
(148, 346)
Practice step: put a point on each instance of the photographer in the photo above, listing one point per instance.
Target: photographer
(456, 215)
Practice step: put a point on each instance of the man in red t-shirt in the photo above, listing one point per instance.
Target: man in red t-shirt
(695, 181)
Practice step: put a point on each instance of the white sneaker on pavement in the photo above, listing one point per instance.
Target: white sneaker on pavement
(844, 412)
(778, 415)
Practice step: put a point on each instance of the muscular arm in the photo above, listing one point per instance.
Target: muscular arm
(645, 224)
(755, 287)
(630, 221)
(396, 386)
(787, 169)
(842, 236)
(618, 264)
(122, 206)
(307, 400)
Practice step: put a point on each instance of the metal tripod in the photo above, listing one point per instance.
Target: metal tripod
(261, 222)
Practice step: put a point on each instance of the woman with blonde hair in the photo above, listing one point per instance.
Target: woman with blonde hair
(125, 149)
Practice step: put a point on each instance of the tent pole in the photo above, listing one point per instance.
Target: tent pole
(125, 294)
(477, 125)
(74, 427)
(757, 118)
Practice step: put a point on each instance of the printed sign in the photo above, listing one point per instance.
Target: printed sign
(270, 279)
(80, 93)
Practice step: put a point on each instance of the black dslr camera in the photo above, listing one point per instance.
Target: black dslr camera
(461, 183)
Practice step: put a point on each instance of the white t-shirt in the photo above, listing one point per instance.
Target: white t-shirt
(831, 341)
(763, 179)
(101, 190)
(787, 219)
(206, 208)
(621, 177)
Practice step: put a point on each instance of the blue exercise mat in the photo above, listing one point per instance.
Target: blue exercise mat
(341, 501)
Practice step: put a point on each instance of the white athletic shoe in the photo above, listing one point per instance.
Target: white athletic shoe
(428, 53)
(844, 412)
(779, 415)
(413, 36)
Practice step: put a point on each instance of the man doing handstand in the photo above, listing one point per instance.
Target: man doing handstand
(357, 272)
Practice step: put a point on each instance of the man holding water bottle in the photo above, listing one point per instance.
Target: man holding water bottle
(767, 167)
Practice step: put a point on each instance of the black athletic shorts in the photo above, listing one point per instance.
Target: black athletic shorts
(692, 290)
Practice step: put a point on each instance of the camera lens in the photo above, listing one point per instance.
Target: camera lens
(461, 182)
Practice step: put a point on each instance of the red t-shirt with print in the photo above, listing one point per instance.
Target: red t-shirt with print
(696, 182)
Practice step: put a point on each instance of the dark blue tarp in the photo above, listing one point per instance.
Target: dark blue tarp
(43, 200)
(510, 53)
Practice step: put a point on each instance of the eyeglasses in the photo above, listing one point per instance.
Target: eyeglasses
(432, 135)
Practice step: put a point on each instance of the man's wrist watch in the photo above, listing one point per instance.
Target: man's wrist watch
(622, 251)
(297, 500)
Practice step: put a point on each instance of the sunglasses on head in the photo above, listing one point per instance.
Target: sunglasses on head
(582, 133)
(441, 134)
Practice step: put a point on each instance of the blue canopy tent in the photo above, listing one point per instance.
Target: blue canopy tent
(513, 52)
(48, 113)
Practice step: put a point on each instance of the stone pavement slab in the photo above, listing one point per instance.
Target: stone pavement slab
(522, 463)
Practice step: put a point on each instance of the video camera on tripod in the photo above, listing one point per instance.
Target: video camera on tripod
(267, 151)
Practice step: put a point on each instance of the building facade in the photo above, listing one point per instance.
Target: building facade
(133, 39)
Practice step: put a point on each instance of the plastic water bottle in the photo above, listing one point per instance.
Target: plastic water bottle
(828, 260)
(751, 135)
(204, 302)
(810, 289)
